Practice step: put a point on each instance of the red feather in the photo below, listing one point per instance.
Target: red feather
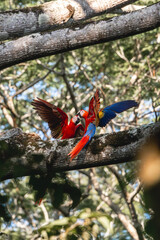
(39, 201)
(78, 147)
(94, 106)
(56, 118)
(90, 118)
(82, 143)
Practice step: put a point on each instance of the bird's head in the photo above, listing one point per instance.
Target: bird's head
(76, 119)
(82, 114)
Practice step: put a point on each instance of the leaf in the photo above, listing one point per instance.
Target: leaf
(62, 188)
(39, 185)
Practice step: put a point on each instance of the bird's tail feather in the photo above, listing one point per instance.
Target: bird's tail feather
(78, 147)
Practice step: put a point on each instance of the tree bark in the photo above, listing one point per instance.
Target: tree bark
(40, 45)
(23, 154)
(54, 14)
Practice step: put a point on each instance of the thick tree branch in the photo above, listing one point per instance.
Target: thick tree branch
(26, 154)
(54, 14)
(40, 45)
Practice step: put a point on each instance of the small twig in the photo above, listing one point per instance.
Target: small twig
(23, 89)
(45, 213)
(132, 195)
(68, 84)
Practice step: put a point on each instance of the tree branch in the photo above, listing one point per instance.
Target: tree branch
(36, 80)
(115, 208)
(40, 45)
(129, 8)
(52, 15)
(130, 204)
(69, 88)
(132, 195)
(26, 154)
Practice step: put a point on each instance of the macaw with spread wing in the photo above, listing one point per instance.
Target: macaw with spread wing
(103, 116)
(57, 120)
(91, 115)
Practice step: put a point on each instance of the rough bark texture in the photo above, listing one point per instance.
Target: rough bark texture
(26, 154)
(40, 45)
(54, 14)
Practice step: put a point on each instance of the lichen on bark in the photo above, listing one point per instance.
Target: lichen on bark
(27, 154)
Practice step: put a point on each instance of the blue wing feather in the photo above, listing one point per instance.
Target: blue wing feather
(121, 106)
(108, 115)
(84, 141)
(110, 111)
(90, 131)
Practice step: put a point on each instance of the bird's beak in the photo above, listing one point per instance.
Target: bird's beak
(78, 119)
(79, 115)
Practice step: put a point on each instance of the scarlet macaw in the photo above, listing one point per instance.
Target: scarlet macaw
(57, 120)
(89, 117)
(94, 106)
(102, 118)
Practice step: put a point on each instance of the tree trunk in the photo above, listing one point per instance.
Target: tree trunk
(26, 154)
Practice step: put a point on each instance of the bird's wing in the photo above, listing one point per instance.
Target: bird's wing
(108, 113)
(54, 116)
(79, 131)
(85, 140)
(94, 104)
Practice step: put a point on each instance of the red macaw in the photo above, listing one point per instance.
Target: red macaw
(94, 106)
(90, 116)
(57, 120)
(103, 117)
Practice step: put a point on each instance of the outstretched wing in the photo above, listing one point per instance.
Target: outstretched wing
(54, 116)
(85, 140)
(108, 113)
(94, 105)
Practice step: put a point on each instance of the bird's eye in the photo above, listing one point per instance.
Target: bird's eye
(82, 113)
(74, 119)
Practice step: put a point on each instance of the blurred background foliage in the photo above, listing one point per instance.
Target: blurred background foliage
(80, 204)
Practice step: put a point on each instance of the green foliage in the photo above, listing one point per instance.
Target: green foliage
(39, 185)
(59, 186)
(72, 208)
(73, 225)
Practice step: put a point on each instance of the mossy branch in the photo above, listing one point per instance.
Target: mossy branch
(26, 154)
